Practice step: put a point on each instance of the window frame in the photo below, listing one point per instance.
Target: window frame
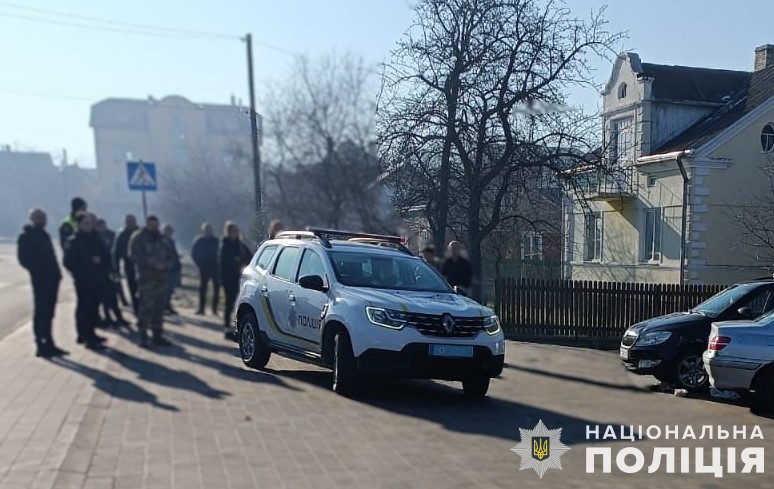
(767, 138)
(301, 262)
(615, 137)
(653, 252)
(277, 260)
(599, 231)
(532, 241)
(273, 248)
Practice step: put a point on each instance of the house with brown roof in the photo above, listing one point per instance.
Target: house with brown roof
(690, 147)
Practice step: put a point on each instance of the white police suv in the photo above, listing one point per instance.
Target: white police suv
(363, 305)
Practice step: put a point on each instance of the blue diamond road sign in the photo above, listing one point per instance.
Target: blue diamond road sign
(141, 175)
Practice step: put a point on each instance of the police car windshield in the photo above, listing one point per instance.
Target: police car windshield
(382, 271)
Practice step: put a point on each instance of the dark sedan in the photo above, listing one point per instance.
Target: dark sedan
(670, 347)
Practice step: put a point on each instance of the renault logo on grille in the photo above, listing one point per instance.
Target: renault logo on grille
(448, 323)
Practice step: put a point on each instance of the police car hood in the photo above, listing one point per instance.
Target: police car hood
(420, 302)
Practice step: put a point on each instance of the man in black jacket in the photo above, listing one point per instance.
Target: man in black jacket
(121, 254)
(36, 253)
(88, 260)
(234, 257)
(204, 252)
(457, 269)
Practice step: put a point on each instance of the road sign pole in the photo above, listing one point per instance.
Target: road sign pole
(144, 206)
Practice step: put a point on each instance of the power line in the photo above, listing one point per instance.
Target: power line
(114, 26)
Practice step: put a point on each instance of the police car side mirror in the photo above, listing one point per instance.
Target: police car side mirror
(313, 282)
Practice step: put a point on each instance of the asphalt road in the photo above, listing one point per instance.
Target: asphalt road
(16, 291)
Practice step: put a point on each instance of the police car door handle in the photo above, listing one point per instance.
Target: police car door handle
(291, 298)
(264, 290)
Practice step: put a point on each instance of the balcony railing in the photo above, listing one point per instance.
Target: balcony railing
(611, 184)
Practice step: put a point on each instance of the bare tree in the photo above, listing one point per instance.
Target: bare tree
(458, 99)
(754, 221)
(320, 125)
(210, 185)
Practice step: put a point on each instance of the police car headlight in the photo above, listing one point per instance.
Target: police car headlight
(386, 317)
(650, 339)
(492, 324)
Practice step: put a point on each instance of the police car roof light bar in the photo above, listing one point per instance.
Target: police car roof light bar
(303, 235)
(347, 234)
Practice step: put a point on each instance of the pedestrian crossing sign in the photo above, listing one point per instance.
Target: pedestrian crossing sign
(141, 175)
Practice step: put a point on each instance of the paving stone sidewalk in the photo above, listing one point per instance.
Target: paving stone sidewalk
(192, 416)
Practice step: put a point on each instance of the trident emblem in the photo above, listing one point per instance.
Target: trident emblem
(540, 447)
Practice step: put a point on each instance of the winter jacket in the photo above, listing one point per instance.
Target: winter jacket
(176, 265)
(120, 249)
(234, 257)
(87, 259)
(458, 272)
(204, 252)
(36, 253)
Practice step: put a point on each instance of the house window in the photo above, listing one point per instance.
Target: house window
(652, 241)
(767, 137)
(593, 240)
(532, 246)
(622, 141)
(622, 90)
(651, 181)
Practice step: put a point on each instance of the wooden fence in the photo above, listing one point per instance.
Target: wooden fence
(586, 310)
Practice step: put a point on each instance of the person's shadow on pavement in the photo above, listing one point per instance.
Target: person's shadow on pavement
(113, 386)
(165, 376)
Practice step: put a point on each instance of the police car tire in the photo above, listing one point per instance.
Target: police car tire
(260, 352)
(476, 386)
(345, 374)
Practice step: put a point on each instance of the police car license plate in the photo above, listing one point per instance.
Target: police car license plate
(623, 353)
(459, 351)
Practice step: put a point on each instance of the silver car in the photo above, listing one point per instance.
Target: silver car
(740, 357)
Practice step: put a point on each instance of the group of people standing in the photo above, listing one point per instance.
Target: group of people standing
(220, 263)
(94, 255)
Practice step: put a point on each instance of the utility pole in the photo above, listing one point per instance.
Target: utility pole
(256, 149)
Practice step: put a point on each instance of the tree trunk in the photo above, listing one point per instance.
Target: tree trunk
(474, 245)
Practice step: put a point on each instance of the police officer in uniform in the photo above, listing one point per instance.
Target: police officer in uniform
(70, 225)
(149, 250)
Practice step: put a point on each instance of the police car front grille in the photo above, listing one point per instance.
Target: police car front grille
(432, 325)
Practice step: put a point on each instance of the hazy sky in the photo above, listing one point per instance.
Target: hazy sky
(50, 73)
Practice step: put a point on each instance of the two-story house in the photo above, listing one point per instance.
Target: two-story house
(689, 145)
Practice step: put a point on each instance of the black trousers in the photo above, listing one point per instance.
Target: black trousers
(120, 292)
(231, 288)
(205, 277)
(44, 294)
(131, 280)
(87, 310)
(110, 302)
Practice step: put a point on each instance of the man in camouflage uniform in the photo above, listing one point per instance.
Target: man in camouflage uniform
(153, 257)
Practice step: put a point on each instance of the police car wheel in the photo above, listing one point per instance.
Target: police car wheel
(345, 373)
(254, 352)
(476, 386)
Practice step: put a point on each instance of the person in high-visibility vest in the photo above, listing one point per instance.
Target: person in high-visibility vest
(70, 224)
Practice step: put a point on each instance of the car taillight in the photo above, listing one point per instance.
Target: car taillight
(717, 343)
